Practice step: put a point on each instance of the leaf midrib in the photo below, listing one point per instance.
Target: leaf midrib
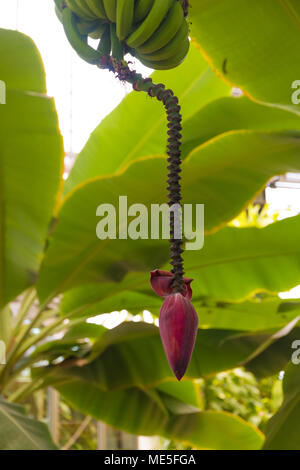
(246, 258)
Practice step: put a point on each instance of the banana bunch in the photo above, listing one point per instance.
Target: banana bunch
(154, 31)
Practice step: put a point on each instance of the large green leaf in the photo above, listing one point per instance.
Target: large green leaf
(283, 428)
(135, 295)
(229, 114)
(230, 169)
(212, 430)
(84, 330)
(233, 264)
(181, 397)
(237, 262)
(253, 44)
(275, 358)
(140, 412)
(18, 432)
(133, 410)
(132, 293)
(30, 164)
(249, 315)
(138, 127)
(76, 256)
(21, 67)
(131, 355)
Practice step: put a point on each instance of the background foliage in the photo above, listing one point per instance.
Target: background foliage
(62, 275)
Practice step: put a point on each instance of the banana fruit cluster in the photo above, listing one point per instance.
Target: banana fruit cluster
(154, 31)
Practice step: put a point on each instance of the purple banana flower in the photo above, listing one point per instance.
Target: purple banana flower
(178, 321)
(161, 282)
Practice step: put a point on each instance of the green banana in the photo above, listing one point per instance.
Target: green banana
(110, 7)
(160, 39)
(117, 47)
(76, 40)
(125, 10)
(59, 4)
(88, 27)
(97, 7)
(84, 7)
(169, 63)
(141, 10)
(158, 12)
(168, 51)
(58, 13)
(76, 9)
(166, 31)
(104, 47)
(98, 32)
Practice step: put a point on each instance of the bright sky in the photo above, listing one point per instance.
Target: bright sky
(84, 94)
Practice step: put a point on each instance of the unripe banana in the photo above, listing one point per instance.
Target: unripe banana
(104, 47)
(110, 7)
(84, 7)
(173, 46)
(58, 13)
(155, 31)
(166, 31)
(125, 11)
(97, 7)
(158, 11)
(76, 40)
(98, 32)
(88, 27)
(142, 8)
(117, 47)
(170, 63)
(79, 12)
(59, 4)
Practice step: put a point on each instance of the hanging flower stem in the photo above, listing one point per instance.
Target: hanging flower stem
(170, 102)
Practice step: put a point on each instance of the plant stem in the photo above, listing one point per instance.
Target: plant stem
(11, 358)
(77, 433)
(24, 391)
(54, 327)
(27, 301)
(37, 338)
